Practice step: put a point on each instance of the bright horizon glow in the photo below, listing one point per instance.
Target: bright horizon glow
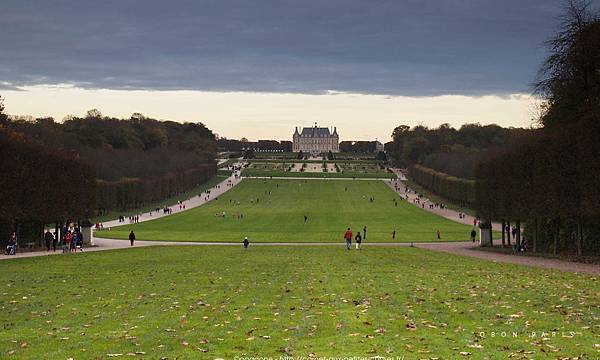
(259, 116)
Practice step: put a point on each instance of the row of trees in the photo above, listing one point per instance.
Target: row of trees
(41, 185)
(83, 166)
(446, 149)
(359, 146)
(225, 144)
(130, 193)
(461, 191)
(549, 182)
(124, 148)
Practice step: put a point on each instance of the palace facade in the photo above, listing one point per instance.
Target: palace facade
(316, 140)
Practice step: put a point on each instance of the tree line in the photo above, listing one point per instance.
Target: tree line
(225, 144)
(40, 186)
(459, 190)
(449, 150)
(96, 163)
(549, 182)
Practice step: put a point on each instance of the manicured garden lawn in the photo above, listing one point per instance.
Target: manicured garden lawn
(331, 207)
(209, 302)
(347, 169)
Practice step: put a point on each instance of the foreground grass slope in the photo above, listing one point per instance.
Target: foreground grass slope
(220, 302)
(273, 211)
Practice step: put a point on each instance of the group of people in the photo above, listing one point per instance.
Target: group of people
(71, 241)
(358, 238)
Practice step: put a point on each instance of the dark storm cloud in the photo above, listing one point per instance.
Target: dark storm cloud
(472, 47)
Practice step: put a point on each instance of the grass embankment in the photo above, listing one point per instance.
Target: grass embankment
(274, 210)
(221, 302)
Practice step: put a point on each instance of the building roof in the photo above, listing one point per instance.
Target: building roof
(315, 132)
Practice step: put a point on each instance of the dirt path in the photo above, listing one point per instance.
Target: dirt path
(468, 249)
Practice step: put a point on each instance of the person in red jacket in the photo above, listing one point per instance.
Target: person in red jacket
(348, 237)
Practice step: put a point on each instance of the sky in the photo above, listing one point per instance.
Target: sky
(259, 68)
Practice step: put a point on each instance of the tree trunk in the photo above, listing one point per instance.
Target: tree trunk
(518, 238)
(41, 242)
(556, 235)
(579, 236)
(491, 235)
(503, 233)
(535, 234)
(508, 235)
(56, 233)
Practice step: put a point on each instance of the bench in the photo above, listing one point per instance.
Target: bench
(30, 245)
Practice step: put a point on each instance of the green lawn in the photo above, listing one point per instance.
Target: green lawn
(331, 207)
(208, 302)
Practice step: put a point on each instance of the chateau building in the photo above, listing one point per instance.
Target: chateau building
(316, 140)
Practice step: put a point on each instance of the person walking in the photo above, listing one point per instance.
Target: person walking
(365, 232)
(246, 242)
(74, 241)
(394, 234)
(348, 237)
(439, 234)
(131, 237)
(67, 244)
(79, 243)
(473, 235)
(48, 237)
(358, 240)
(54, 240)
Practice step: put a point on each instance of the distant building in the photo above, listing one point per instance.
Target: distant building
(316, 140)
(378, 146)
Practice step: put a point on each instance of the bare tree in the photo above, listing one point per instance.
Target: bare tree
(568, 78)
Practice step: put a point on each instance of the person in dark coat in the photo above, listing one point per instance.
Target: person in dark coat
(48, 238)
(131, 237)
(246, 242)
(358, 240)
